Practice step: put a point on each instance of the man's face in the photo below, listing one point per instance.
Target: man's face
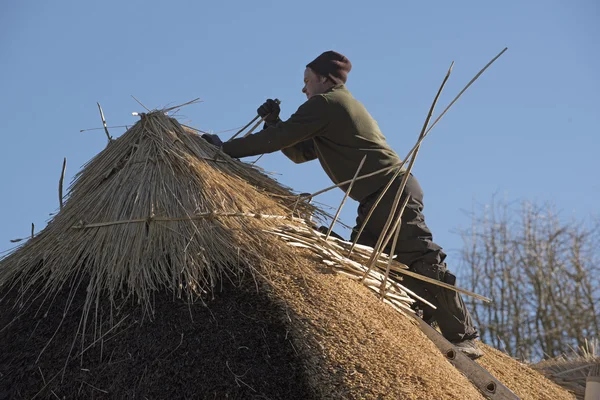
(314, 84)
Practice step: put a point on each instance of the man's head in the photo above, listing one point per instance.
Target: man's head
(327, 70)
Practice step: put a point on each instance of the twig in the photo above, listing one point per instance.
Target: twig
(337, 214)
(208, 215)
(175, 349)
(45, 385)
(94, 387)
(465, 89)
(62, 178)
(194, 129)
(97, 129)
(21, 239)
(196, 100)
(441, 284)
(370, 174)
(104, 123)
(342, 265)
(238, 377)
(409, 169)
(373, 208)
(568, 371)
(213, 160)
(43, 379)
(255, 161)
(255, 126)
(405, 178)
(231, 130)
(102, 337)
(140, 103)
(244, 128)
(393, 249)
(399, 165)
(384, 237)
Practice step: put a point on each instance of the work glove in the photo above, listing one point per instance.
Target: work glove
(213, 139)
(270, 111)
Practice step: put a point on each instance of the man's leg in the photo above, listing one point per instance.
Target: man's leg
(417, 250)
(451, 314)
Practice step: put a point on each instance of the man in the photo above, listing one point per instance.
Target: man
(336, 129)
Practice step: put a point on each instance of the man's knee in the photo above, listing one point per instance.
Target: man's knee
(428, 269)
(436, 271)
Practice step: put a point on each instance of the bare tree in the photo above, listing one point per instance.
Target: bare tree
(542, 273)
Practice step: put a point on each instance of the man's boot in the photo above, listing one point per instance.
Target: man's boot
(451, 314)
(469, 348)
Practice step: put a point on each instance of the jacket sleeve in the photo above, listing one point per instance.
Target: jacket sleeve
(301, 152)
(306, 123)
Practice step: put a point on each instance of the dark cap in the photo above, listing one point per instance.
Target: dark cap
(332, 65)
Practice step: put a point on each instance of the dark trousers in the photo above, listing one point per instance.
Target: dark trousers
(416, 249)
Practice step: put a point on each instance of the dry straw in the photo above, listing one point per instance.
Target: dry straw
(154, 212)
(331, 251)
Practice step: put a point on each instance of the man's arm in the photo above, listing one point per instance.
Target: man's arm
(301, 152)
(304, 124)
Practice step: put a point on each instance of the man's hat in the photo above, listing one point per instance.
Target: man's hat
(332, 65)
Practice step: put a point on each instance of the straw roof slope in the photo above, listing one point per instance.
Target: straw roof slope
(571, 371)
(522, 379)
(303, 333)
(154, 223)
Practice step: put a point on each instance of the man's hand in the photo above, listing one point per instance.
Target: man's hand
(213, 139)
(269, 111)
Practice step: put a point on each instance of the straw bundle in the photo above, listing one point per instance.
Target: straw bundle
(331, 250)
(153, 211)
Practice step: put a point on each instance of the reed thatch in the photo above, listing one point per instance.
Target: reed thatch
(154, 210)
(571, 370)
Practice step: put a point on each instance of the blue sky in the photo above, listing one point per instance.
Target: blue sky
(527, 130)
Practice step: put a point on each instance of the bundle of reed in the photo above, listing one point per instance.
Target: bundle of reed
(571, 370)
(333, 253)
(154, 210)
(375, 269)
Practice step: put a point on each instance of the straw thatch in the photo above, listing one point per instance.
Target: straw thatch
(571, 370)
(154, 210)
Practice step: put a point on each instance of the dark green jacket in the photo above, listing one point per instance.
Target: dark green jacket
(333, 127)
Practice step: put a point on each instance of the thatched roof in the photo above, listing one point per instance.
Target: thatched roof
(571, 370)
(155, 223)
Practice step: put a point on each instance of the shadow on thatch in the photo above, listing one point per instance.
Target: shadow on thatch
(239, 348)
